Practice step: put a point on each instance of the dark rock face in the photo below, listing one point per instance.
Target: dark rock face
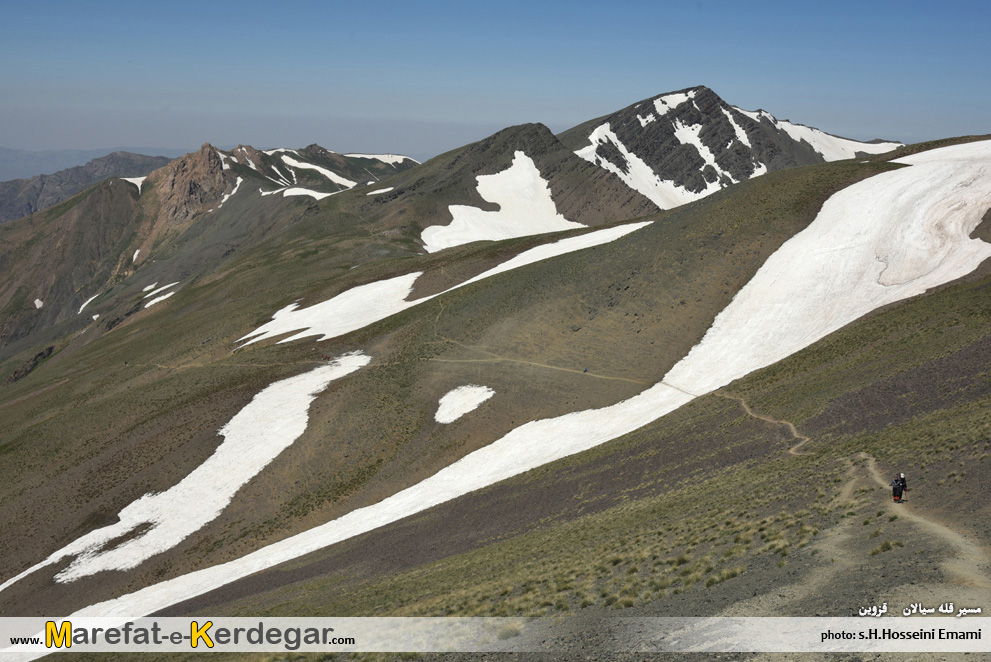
(28, 366)
(21, 197)
(690, 139)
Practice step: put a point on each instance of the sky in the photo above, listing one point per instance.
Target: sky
(421, 78)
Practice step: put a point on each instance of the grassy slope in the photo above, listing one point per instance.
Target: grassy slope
(912, 392)
(642, 301)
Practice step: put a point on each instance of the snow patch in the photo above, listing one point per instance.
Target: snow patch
(151, 287)
(134, 258)
(278, 150)
(332, 176)
(831, 148)
(38, 303)
(691, 135)
(671, 101)
(305, 191)
(644, 121)
(639, 176)
(96, 317)
(87, 302)
(366, 304)
(458, 402)
(137, 181)
(741, 135)
(227, 196)
(159, 290)
(223, 161)
(391, 159)
(274, 419)
(158, 299)
(526, 208)
(381, 190)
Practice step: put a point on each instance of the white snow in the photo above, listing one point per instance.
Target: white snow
(237, 185)
(381, 190)
(458, 402)
(274, 419)
(134, 258)
(391, 159)
(38, 303)
(832, 148)
(285, 180)
(137, 181)
(691, 135)
(525, 208)
(644, 121)
(363, 305)
(277, 150)
(161, 289)
(152, 286)
(158, 299)
(886, 238)
(671, 101)
(223, 161)
(332, 176)
(96, 317)
(305, 191)
(741, 135)
(87, 302)
(663, 193)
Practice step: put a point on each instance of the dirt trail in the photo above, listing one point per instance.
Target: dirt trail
(802, 439)
(966, 567)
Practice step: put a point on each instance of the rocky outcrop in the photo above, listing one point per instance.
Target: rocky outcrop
(192, 184)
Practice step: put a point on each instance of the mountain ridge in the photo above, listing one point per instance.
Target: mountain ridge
(645, 516)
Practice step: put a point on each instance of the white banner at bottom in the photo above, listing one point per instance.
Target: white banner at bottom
(30, 638)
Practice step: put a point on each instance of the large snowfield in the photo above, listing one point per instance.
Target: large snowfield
(886, 238)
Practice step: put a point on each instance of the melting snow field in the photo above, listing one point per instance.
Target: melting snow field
(525, 208)
(363, 305)
(886, 238)
(458, 402)
(269, 424)
(381, 190)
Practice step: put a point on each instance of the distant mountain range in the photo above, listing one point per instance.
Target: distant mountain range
(662, 360)
(25, 164)
(20, 197)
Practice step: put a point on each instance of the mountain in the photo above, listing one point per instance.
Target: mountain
(271, 388)
(21, 197)
(681, 146)
(25, 164)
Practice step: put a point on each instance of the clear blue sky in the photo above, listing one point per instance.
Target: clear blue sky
(423, 77)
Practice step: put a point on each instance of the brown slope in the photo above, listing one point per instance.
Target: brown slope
(21, 197)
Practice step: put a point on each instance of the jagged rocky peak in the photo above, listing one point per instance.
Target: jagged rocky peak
(189, 184)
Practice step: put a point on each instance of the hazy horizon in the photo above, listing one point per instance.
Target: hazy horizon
(423, 78)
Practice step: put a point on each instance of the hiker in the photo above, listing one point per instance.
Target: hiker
(898, 486)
